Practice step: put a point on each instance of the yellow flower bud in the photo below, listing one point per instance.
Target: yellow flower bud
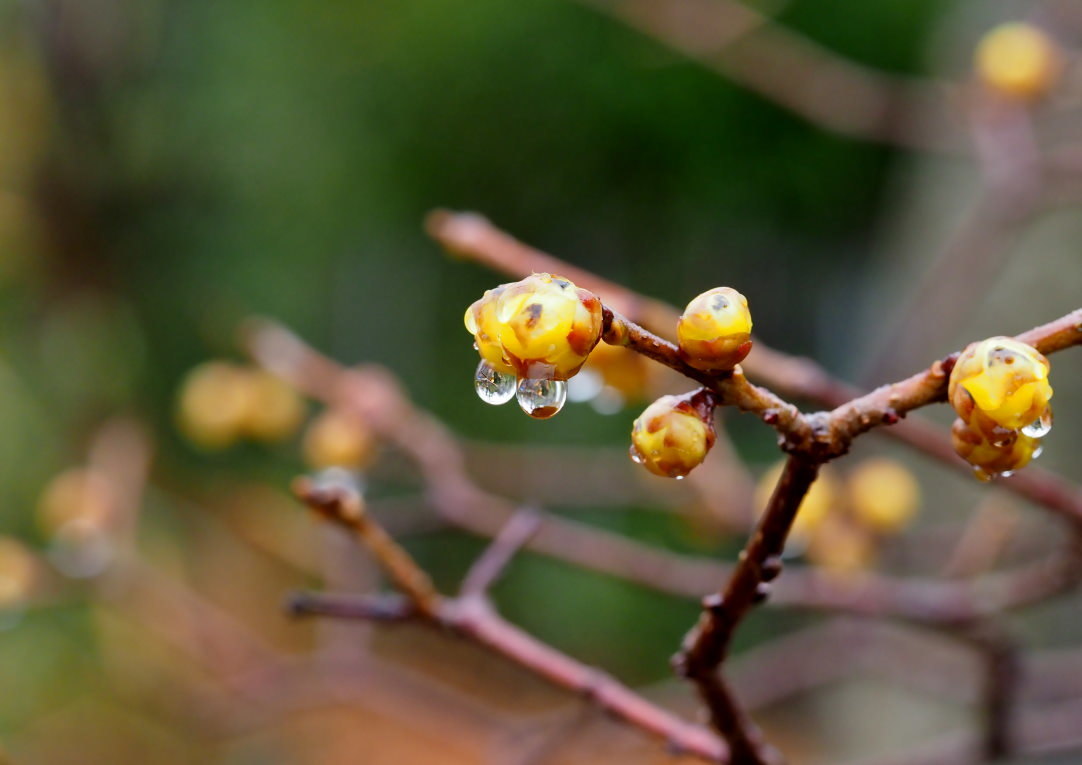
(542, 327)
(1000, 382)
(338, 439)
(621, 369)
(1018, 60)
(841, 547)
(714, 332)
(823, 496)
(18, 570)
(672, 436)
(213, 404)
(274, 410)
(883, 495)
(993, 458)
(221, 402)
(79, 494)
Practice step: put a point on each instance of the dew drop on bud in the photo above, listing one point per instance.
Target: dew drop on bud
(1037, 452)
(1039, 428)
(636, 455)
(541, 399)
(679, 477)
(492, 386)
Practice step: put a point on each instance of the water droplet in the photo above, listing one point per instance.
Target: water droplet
(636, 455)
(541, 399)
(1037, 452)
(1039, 427)
(493, 387)
(584, 386)
(1004, 474)
(679, 477)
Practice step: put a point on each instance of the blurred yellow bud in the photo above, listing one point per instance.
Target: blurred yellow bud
(338, 439)
(672, 436)
(621, 369)
(274, 409)
(1018, 60)
(841, 547)
(821, 499)
(213, 404)
(76, 495)
(18, 569)
(221, 402)
(714, 332)
(883, 495)
(542, 327)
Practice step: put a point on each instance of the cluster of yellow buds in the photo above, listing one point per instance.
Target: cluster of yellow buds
(1018, 61)
(339, 439)
(714, 332)
(673, 435)
(533, 335)
(221, 402)
(843, 520)
(999, 388)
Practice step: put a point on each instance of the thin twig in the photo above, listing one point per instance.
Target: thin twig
(490, 566)
(346, 509)
(792, 71)
(472, 617)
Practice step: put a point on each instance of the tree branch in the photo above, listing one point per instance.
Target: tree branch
(472, 617)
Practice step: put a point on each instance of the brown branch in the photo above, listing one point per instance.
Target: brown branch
(1001, 681)
(473, 618)
(472, 236)
(346, 509)
(370, 608)
(706, 646)
(812, 439)
(490, 566)
(733, 387)
(374, 394)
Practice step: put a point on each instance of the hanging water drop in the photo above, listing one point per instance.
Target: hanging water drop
(636, 455)
(492, 386)
(1039, 427)
(541, 399)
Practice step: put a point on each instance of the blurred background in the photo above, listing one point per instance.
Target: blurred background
(169, 168)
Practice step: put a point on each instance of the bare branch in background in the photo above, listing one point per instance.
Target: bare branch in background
(472, 617)
(794, 72)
